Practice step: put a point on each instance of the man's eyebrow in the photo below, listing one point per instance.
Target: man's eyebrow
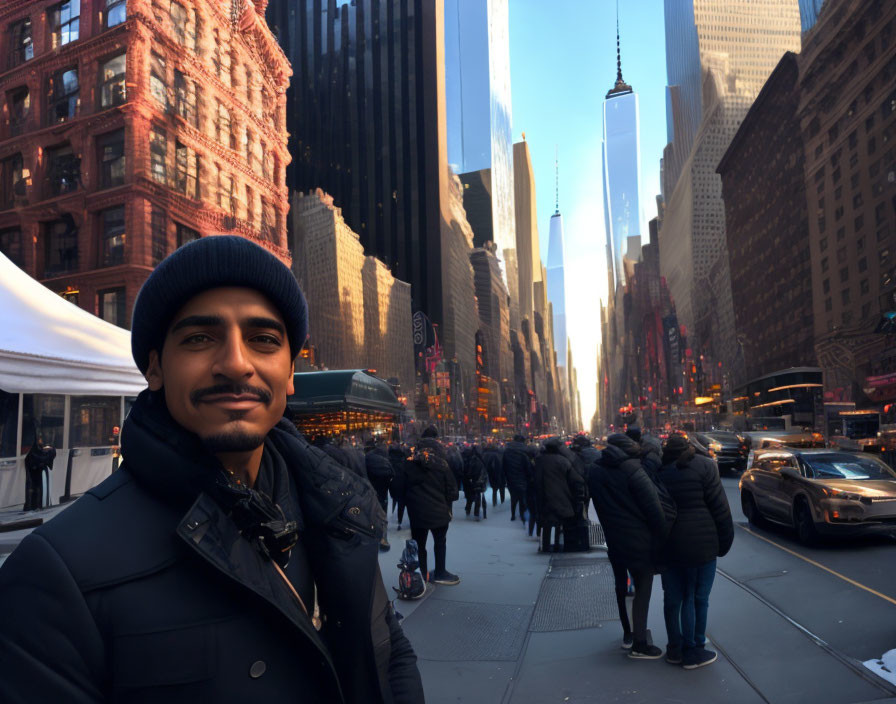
(197, 321)
(263, 322)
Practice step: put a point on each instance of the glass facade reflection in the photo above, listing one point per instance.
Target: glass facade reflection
(809, 10)
(556, 280)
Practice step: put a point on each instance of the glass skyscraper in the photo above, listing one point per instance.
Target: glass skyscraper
(809, 11)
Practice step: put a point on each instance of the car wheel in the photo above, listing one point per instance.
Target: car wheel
(805, 526)
(751, 511)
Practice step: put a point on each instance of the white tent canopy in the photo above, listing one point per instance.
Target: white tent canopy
(50, 346)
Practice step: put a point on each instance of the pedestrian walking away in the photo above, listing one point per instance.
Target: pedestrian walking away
(493, 456)
(474, 481)
(227, 560)
(561, 490)
(634, 524)
(703, 531)
(380, 473)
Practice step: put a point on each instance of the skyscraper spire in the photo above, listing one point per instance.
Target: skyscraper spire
(618, 50)
(556, 180)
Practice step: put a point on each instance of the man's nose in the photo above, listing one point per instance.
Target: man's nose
(233, 360)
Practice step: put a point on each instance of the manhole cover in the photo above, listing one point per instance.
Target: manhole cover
(463, 631)
(575, 596)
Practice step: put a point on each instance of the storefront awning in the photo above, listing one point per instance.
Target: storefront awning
(342, 390)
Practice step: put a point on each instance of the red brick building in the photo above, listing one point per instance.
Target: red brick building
(128, 127)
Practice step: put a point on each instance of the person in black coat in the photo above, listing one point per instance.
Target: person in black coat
(38, 462)
(517, 467)
(561, 494)
(398, 455)
(455, 462)
(227, 560)
(474, 481)
(380, 473)
(634, 524)
(493, 456)
(427, 488)
(341, 454)
(703, 531)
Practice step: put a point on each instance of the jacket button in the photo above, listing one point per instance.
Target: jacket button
(257, 669)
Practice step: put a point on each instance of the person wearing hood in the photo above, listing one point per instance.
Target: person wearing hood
(227, 560)
(38, 462)
(427, 488)
(474, 481)
(492, 454)
(561, 490)
(651, 454)
(517, 467)
(380, 473)
(634, 524)
(455, 462)
(703, 532)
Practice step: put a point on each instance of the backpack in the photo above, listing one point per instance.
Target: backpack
(410, 581)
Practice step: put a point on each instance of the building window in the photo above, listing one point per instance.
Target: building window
(828, 304)
(866, 310)
(19, 102)
(185, 98)
(158, 154)
(159, 233)
(826, 286)
(158, 75)
(63, 170)
(225, 191)
(112, 159)
(178, 15)
(12, 180)
(116, 12)
(185, 234)
(112, 233)
(61, 253)
(64, 92)
(222, 125)
(863, 264)
(111, 305)
(268, 222)
(113, 89)
(186, 162)
(844, 275)
(250, 205)
(21, 47)
(859, 223)
(844, 296)
(824, 264)
(864, 288)
(64, 22)
(11, 245)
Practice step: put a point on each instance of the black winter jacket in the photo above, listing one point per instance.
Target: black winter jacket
(627, 504)
(559, 486)
(455, 463)
(651, 455)
(493, 465)
(704, 529)
(397, 457)
(475, 474)
(145, 590)
(426, 486)
(517, 465)
(379, 470)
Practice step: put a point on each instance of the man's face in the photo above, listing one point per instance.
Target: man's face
(226, 368)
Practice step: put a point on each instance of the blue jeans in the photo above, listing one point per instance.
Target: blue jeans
(686, 603)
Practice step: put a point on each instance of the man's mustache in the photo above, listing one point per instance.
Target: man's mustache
(231, 389)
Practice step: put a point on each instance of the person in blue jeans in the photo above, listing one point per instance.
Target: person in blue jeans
(703, 532)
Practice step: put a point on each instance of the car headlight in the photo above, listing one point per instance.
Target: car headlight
(715, 446)
(740, 438)
(842, 495)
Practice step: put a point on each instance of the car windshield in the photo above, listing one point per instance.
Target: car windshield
(844, 466)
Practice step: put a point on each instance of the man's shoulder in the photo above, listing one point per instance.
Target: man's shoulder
(114, 531)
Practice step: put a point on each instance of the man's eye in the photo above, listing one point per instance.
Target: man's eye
(197, 338)
(266, 340)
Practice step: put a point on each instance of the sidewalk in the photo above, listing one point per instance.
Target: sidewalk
(523, 628)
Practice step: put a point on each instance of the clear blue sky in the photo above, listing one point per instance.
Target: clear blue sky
(562, 63)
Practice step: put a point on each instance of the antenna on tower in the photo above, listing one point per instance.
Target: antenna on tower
(557, 180)
(618, 50)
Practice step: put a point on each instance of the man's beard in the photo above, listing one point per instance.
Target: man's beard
(236, 441)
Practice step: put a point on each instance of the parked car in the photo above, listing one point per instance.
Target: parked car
(729, 449)
(820, 492)
(761, 440)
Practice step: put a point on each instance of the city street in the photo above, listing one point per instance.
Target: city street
(524, 627)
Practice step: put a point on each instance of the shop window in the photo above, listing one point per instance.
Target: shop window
(63, 170)
(43, 416)
(185, 234)
(159, 234)
(158, 153)
(9, 424)
(19, 102)
(64, 91)
(112, 159)
(21, 46)
(113, 90)
(112, 236)
(92, 418)
(65, 22)
(116, 13)
(11, 245)
(61, 247)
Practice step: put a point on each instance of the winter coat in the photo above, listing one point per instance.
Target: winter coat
(559, 486)
(704, 529)
(344, 456)
(475, 474)
(493, 465)
(517, 465)
(585, 458)
(379, 470)
(40, 457)
(651, 455)
(455, 463)
(398, 455)
(627, 504)
(426, 486)
(145, 590)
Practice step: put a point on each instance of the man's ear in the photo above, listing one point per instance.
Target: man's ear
(154, 377)
(290, 385)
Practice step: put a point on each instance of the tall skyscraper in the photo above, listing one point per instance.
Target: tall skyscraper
(809, 11)
(622, 174)
(478, 113)
(528, 252)
(556, 281)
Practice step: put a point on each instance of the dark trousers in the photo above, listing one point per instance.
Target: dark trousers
(439, 540)
(643, 583)
(475, 501)
(620, 577)
(517, 498)
(495, 495)
(400, 507)
(532, 507)
(34, 489)
(686, 604)
(546, 537)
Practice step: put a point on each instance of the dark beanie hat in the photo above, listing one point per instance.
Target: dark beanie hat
(634, 432)
(431, 432)
(212, 262)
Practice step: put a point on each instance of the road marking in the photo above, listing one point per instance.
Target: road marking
(820, 566)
